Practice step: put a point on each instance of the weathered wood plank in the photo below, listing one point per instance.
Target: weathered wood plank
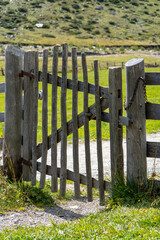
(13, 104)
(28, 113)
(152, 78)
(1, 143)
(91, 109)
(116, 130)
(136, 132)
(99, 134)
(70, 176)
(86, 129)
(63, 120)
(152, 111)
(75, 123)
(35, 119)
(44, 120)
(2, 87)
(91, 87)
(54, 180)
(153, 149)
(105, 117)
(1, 117)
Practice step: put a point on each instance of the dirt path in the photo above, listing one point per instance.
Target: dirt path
(72, 210)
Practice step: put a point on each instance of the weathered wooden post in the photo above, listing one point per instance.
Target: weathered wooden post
(116, 130)
(13, 113)
(29, 65)
(136, 132)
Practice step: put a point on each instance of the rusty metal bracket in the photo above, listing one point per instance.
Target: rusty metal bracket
(23, 73)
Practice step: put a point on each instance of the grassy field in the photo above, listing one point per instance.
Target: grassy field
(84, 23)
(152, 95)
(134, 222)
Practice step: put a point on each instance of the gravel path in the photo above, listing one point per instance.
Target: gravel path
(152, 164)
(72, 210)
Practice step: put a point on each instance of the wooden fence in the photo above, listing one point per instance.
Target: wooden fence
(21, 118)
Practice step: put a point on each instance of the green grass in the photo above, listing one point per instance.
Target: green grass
(18, 196)
(79, 22)
(129, 215)
(121, 222)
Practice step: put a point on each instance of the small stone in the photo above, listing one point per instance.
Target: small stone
(99, 8)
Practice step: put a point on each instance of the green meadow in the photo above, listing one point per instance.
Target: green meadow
(152, 95)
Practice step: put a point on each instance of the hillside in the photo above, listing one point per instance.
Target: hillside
(82, 23)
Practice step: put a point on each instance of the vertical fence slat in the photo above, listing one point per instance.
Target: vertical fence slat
(116, 131)
(136, 132)
(99, 135)
(29, 65)
(13, 113)
(63, 120)
(75, 123)
(35, 121)
(44, 119)
(54, 179)
(86, 129)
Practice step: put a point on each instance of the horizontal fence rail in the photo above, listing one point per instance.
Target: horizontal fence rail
(91, 87)
(152, 78)
(153, 113)
(2, 87)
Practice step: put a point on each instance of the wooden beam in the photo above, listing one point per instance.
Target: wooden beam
(1, 117)
(13, 111)
(1, 142)
(136, 132)
(153, 111)
(152, 78)
(91, 87)
(86, 129)
(70, 176)
(2, 87)
(116, 130)
(153, 149)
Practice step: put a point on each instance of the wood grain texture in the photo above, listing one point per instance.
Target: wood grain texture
(13, 104)
(91, 87)
(70, 176)
(64, 120)
(99, 134)
(35, 120)
(54, 179)
(86, 129)
(1, 143)
(153, 149)
(2, 87)
(116, 130)
(153, 111)
(1, 117)
(152, 78)
(75, 123)
(136, 132)
(44, 120)
(29, 65)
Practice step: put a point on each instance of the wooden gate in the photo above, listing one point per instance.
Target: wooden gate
(21, 120)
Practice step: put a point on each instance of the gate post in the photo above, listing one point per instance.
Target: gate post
(116, 130)
(29, 65)
(13, 113)
(136, 132)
